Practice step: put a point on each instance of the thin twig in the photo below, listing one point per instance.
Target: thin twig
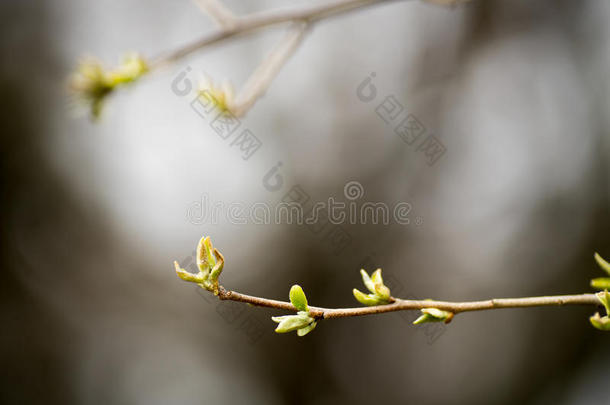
(262, 77)
(405, 305)
(260, 20)
(219, 13)
(232, 26)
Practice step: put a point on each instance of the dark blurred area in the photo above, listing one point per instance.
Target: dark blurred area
(95, 213)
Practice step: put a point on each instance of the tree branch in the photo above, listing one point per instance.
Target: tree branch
(211, 262)
(262, 77)
(92, 84)
(256, 21)
(406, 305)
(218, 12)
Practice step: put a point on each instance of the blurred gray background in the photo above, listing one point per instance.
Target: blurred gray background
(94, 214)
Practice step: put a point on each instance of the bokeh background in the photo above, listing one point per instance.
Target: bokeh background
(93, 215)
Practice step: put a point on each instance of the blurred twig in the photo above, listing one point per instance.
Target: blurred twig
(230, 26)
(256, 21)
(262, 77)
(215, 9)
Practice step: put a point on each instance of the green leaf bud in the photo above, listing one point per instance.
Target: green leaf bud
(297, 298)
(290, 323)
(304, 331)
(368, 283)
(602, 263)
(434, 315)
(601, 323)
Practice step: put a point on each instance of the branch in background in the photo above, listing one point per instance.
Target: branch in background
(262, 77)
(231, 26)
(219, 13)
(92, 84)
(256, 21)
(449, 3)
(378, 301)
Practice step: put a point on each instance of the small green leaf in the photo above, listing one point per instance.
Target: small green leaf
(382, 292)
(425, 318)
(434, 315)
(376, 277)
(601, 282)
(291, 322)
(368, 299)
(203, 258)
(437, 313)
(368, 283)
(297, 298)
(186, 276)
(304, 331)
(210, 263)
(92, 83)
(209, 252)
(602, 263)
(217, 269)
(601, 323)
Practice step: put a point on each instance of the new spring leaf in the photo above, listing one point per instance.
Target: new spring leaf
(297, 298)
(380, 293)
(289, 323)
(302, 322)
(433, 315)
(601, 282)
(92, 83)
(210, 263)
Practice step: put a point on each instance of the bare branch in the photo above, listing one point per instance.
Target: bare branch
(450, 3)
(378, 301)
(405, 305)
(265, 19)
(219, 13)
(262, 77)
(232, 26)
